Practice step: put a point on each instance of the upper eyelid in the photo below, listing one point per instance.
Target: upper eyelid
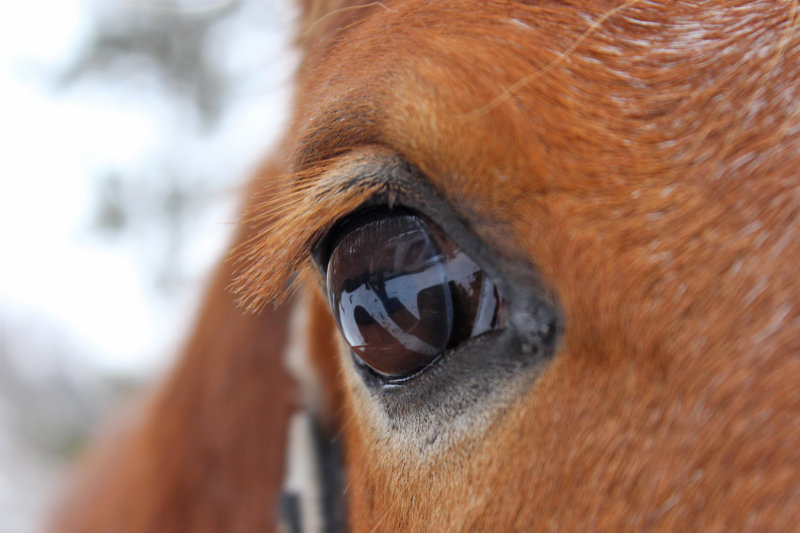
(291, 224)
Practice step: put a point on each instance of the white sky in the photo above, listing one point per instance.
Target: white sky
(53, 147)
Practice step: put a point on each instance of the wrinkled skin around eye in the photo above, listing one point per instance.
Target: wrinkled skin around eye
(403, 293)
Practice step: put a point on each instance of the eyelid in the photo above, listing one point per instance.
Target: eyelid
(479, 368)
(489, 365)
(388, 180)
(291, 221)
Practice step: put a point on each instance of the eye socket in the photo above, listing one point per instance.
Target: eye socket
(403, 293)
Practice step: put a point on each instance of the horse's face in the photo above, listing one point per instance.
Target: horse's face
(560, 243)
(627, 179)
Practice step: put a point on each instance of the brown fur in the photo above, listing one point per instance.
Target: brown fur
(643, 156)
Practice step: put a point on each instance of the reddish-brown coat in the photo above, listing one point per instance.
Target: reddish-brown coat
(643, 156)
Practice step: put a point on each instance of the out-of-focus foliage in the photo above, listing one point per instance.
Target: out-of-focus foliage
(182, 49)
(169, 37)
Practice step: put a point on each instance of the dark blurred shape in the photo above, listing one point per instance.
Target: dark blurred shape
(175, 44)
(168, 38)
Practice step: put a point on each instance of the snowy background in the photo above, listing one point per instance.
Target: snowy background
(127, 129)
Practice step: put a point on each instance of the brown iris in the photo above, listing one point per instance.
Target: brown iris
(403, 293)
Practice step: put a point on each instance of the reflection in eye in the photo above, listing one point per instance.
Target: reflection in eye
(403, 293)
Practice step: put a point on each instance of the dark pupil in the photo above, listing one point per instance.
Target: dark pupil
(401, 297)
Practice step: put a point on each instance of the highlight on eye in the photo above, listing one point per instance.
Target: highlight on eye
(403, 293)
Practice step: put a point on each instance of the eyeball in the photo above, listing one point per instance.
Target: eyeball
(403, 293)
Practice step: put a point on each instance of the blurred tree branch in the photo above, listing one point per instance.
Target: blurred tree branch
(170, 38)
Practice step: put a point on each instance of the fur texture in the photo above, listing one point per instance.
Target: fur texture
(643, 155)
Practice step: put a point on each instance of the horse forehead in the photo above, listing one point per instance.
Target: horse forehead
(544, 96)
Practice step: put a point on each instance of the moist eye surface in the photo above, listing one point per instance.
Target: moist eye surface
(403, 293)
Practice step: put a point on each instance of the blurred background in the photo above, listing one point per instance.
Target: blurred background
(127, 130)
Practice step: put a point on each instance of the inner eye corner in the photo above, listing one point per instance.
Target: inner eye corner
(402, 292)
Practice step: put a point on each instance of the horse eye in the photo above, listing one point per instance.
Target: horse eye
(403, 293)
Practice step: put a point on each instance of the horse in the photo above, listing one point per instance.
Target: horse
(515, 266)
